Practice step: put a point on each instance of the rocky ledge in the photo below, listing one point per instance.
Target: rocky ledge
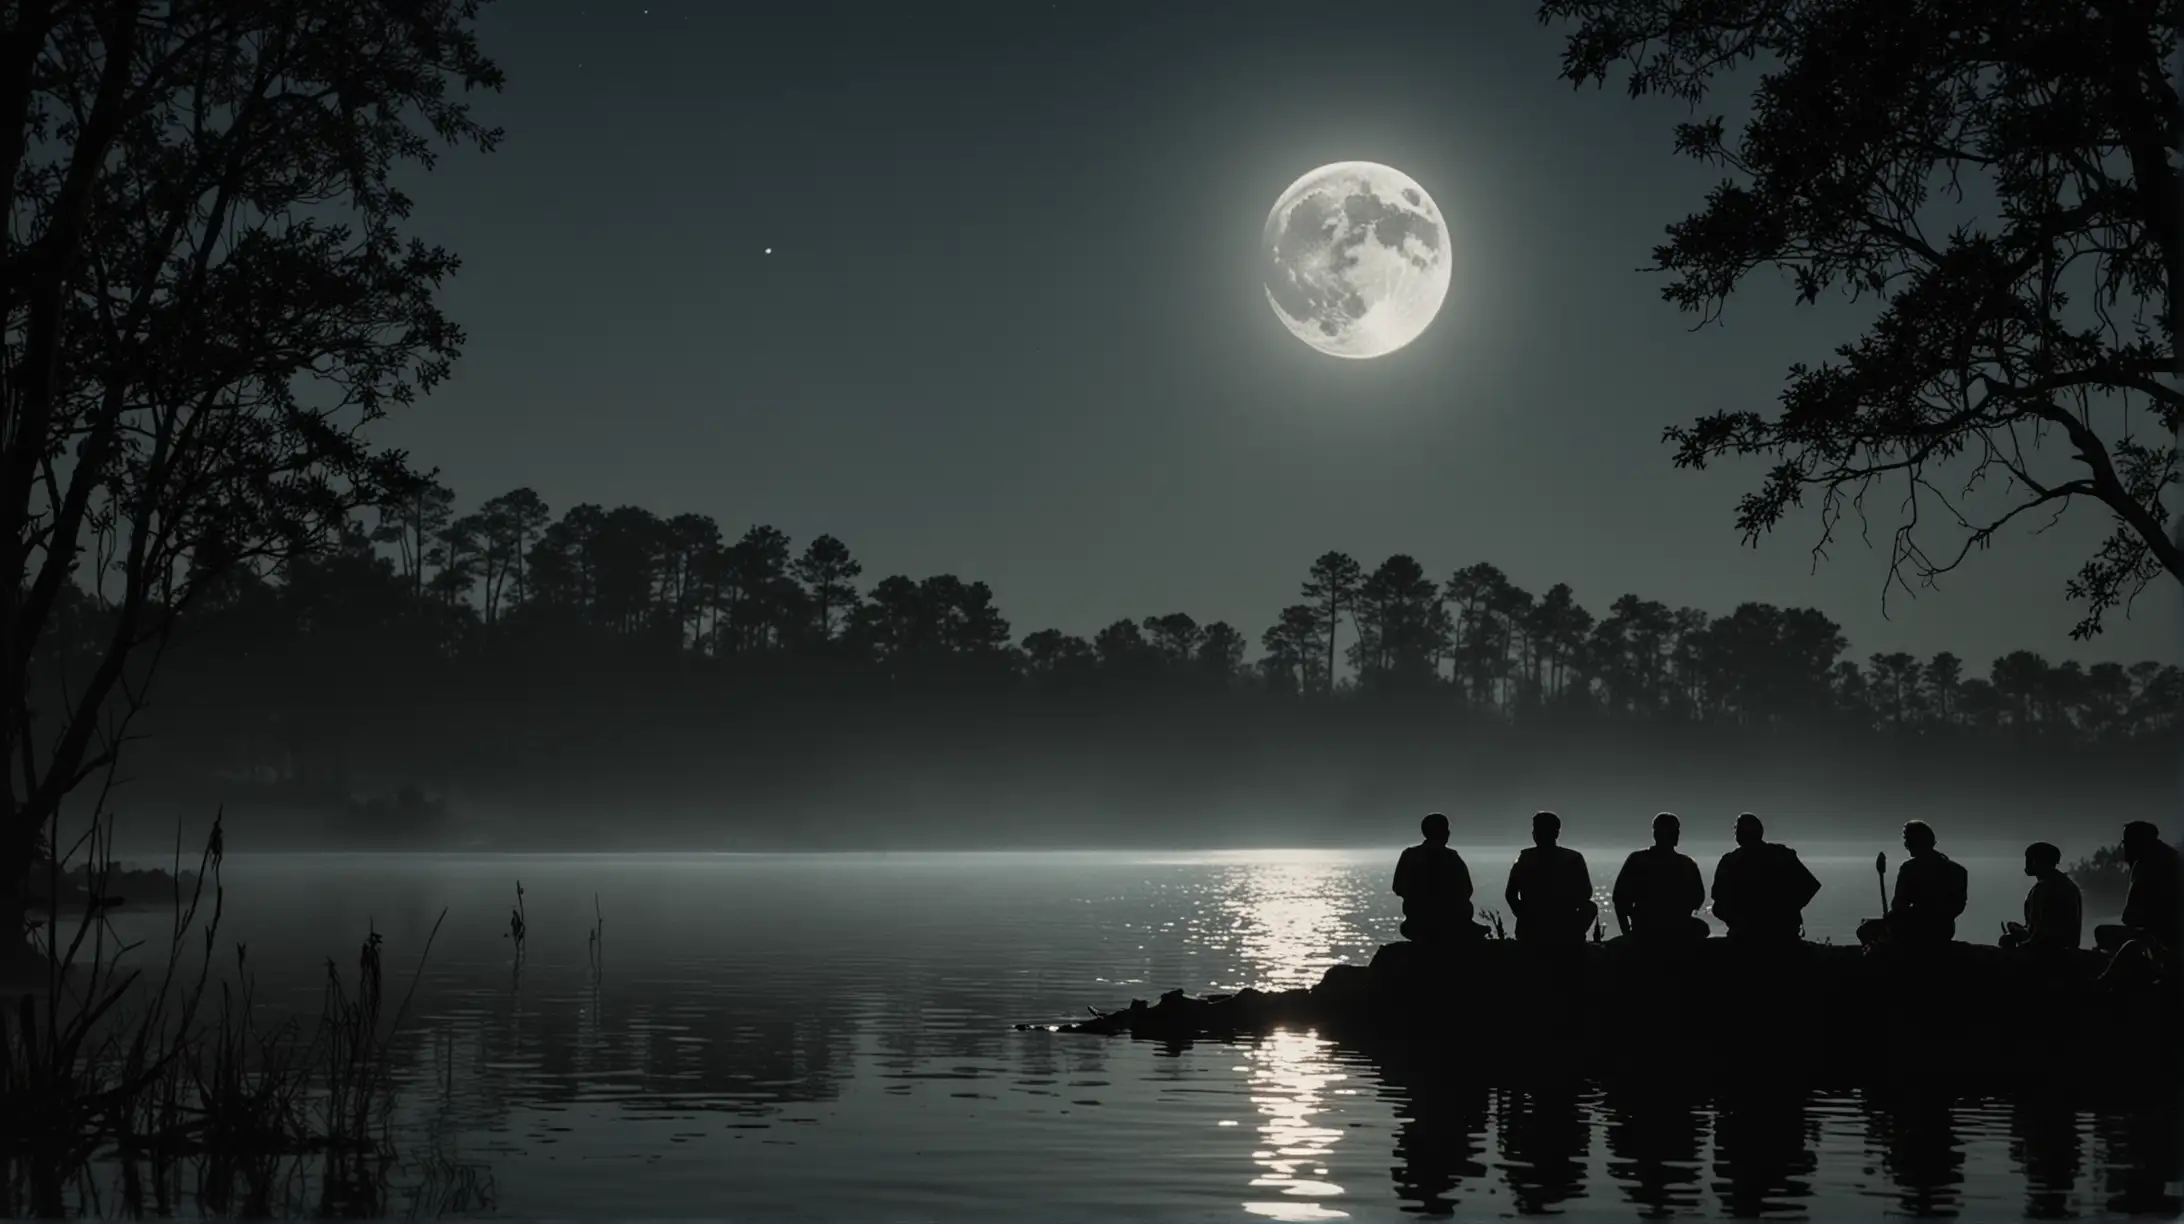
(1830, 1011)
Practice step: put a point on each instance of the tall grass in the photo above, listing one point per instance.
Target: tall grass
(154, 1077)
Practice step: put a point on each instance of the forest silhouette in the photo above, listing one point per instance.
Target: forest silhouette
(506, 655)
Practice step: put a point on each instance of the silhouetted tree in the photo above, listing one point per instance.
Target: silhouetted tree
(207, 296)
(1561, 628)
(1476, 595)
(563, 564)
(626, 553)
(1944, 681)
(1122, 650)
(1330, 588)
(411, 518)
(1850, 694)
(692, 551)
(1292, 661)
(454, 559)
(321, 673)
(2045, 313)
(969, 626)
(829, 575)
(1893, 682)
(1221, 653)
(2019, 680)
(890, 626)
(1630, 651)
(764, 602)
(1054, 659)
(1175, 638)
(1399, 632)
(627, 577)
(510, 524)
(1779, 660)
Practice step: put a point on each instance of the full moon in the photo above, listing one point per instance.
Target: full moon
(1356, 259)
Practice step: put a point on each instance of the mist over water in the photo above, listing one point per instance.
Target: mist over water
(827, 1036)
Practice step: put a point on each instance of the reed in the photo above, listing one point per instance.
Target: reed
(158, 1075)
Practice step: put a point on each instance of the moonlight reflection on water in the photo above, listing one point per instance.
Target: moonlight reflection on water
(814, 1035)
(1289, 1077)
(1286, 920)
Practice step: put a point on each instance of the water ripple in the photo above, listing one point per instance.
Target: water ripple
(792, 1036)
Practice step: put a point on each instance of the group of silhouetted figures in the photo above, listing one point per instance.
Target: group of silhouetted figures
(1761, 889)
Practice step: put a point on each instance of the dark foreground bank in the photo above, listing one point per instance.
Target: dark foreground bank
(1821, 1012)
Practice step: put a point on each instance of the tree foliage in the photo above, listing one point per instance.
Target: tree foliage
(208, 296)
(2000, 176)
(624, 607)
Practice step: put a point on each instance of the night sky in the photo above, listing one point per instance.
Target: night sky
(1012, 326)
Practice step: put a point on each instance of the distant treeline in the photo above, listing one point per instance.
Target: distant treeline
(617, 627)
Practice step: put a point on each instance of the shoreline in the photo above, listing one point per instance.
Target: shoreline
(1967, 1012)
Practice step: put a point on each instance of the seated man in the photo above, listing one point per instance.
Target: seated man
(1550, 892)
(2054, 910)
(1659, 888)
(1436, 888)
(2151, 917)
(1761, 888)
(1930, 895)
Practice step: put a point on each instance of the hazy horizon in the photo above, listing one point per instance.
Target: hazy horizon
(723, 595)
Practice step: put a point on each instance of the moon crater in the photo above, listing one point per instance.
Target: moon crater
(1355, 259)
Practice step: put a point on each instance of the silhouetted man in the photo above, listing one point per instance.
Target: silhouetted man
(1930, 893)
(1659, 889)
(2151, 907)
(2054, 909)
(1761, 888)
(1550, 892)
(1436, 888)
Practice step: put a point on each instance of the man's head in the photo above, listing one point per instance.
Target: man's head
(1749, 831)
(2138, 837)
(1546, 827)
(1667, 830)
(2042, 857)
(1435, 827)
(1918, 838)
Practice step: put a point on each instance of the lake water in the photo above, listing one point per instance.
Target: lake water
(828, 1037)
